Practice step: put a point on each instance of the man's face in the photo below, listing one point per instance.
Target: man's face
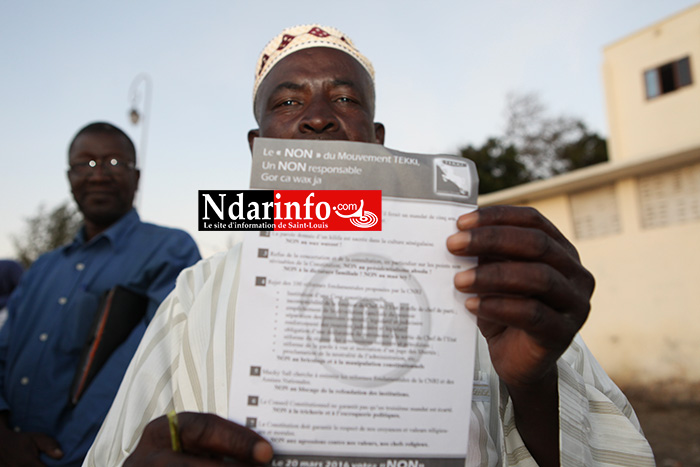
(104, 194)
(317, 93)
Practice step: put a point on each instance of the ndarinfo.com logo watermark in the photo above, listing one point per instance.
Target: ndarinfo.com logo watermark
(280, 210)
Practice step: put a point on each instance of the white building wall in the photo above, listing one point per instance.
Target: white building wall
(641, 127)
(644, 324)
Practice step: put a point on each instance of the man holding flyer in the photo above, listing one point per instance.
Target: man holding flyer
(543, 398)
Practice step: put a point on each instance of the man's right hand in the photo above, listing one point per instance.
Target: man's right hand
(206, 439)
(24, 448)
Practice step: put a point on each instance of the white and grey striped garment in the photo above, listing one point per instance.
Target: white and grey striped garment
(184, 363)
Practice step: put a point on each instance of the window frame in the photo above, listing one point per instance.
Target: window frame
(653, 78)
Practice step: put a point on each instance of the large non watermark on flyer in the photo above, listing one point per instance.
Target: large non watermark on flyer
(353, 348)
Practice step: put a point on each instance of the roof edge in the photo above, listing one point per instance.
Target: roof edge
(589, 177)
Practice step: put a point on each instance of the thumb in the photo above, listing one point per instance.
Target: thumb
(47, 444)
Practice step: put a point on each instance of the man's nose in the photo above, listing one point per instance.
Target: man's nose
(319, 118)
(99, 172)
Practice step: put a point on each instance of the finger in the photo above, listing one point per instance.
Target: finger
(208, 433)
(47, 444)
(514, 216)
(512, 242)
(488, 328)
(525, 279)
(496, 313)
(201, 435)
(518, 244)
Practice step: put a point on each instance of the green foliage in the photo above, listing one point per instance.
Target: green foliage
(47, 231)
(534, 146)
(587, 150)
(497, 165)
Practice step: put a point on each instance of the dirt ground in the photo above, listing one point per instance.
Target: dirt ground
(670, 417)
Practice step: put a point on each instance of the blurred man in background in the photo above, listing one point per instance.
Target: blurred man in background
(51, 311)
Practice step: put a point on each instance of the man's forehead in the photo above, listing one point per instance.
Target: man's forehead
(298, 38)
(319, 63)
(99, 138)
(95, 143)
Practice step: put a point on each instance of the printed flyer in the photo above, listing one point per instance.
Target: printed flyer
(352, 348)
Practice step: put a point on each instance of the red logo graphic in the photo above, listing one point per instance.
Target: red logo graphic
(329, 210)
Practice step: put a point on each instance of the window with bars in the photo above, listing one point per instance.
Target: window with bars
(671, 197)
(667, 77)
(595, 212)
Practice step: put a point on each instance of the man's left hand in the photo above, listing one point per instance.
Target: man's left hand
(532, 294)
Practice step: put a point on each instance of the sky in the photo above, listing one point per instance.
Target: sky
(444, 69)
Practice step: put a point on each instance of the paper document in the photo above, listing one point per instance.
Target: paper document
(353, 349)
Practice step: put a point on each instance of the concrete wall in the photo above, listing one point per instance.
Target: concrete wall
(645, 320)
(644, 325)
(667, 123)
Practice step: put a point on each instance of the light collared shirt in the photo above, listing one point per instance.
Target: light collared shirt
(184, 363)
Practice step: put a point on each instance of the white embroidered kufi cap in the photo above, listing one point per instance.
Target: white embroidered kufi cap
(303, 37)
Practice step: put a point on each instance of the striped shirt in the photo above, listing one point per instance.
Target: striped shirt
(184, 363)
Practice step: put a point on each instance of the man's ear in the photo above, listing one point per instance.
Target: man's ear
(69, 182)
(252, 134)
(378, 133)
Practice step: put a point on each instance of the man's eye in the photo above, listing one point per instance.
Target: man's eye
(344, 99)
(288, 102)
